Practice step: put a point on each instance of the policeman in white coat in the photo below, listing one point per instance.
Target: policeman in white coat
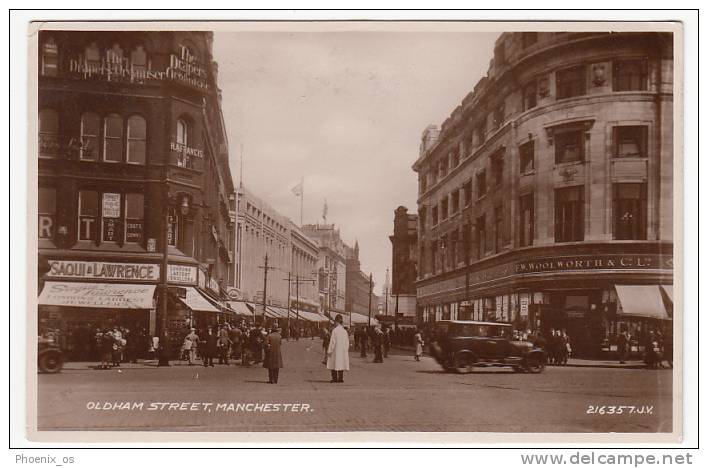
(338, 351)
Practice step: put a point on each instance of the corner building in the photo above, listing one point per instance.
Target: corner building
(132, 165)
(545, 199)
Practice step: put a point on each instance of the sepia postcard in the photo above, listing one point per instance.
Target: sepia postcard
(457, 232)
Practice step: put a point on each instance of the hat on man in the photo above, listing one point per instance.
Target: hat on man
(339, 318)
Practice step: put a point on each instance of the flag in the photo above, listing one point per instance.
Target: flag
(297, 190)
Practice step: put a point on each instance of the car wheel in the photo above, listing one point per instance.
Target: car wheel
(518, 369)
(535, 366)
(464, 363)
(50, 363)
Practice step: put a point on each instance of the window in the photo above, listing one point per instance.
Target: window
(499, 55)
(422, 218)
(455, 201)
(528, 39)
(50, 58)
(630, 211)
(481, 131)
(498, 117)
(569, 146)
(423, 177)
(526, 220)
(434, 210)
(48, 133)
(453, 249)
(529, 95)
(443, 168)
(183, 140)
(114, 60)
(444, 208)
(498, 168)
(569, 214)
(498, 229)
(137, 133)
(570, 82)
(466, 239)
(110, 217)
(113, 138)
(454, 159)
(433, 257)
(134, 216)
(481, 235)
(629, 75)
(90, 125)
(526, 157)
(92, 56)
(88, 214)
(481, 184)
(138, 61)
(46, 212)
(630, 141)
(467, 192)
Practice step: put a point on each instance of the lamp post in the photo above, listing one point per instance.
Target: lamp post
(163, 343)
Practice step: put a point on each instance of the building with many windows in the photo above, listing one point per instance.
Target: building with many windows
(545, 199)
(404, 263)
(134, 186)
(331, 267)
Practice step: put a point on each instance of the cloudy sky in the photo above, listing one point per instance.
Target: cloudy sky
(345, 111)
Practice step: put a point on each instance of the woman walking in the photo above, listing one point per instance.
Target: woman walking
(418, 341)
(273, 358)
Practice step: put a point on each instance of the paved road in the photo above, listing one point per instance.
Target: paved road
(398, 395)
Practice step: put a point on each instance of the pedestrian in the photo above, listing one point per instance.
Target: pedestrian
(210, 348)
(235, 336)
(192, 345)
(363, 341)
(273, 358)
(377, 342)
(622, 346)
(223, 344)
(325, 339)
(419, 343)
(386, 341)
(118, 343)
(338, 351)
(563, 347)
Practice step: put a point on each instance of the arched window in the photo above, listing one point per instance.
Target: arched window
(50, 57)
(92, 55)
(113, 138)
(137, 135)
(48, 133)
(90, 125)
(182, 139)
(138, 63)
(114, 55)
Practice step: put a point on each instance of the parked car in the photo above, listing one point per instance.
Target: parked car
(50, 358)
(463, 345)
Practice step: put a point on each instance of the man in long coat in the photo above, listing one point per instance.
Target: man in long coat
(273, 358)
(210, 349)
(338, 351)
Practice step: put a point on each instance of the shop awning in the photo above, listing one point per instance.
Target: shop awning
(360, 319)
(313, 317)
(669, 290)
(241, 308)
(276, 312)
(641, 301)
(197, 302)
(98, 295)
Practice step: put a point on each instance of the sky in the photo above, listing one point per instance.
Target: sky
(345, 112)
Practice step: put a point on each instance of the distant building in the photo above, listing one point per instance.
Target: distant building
(331, 266)
(404, 262)
(358, 286)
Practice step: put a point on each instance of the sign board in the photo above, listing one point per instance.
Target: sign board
(97, 295)
(184, 274)
(152, 244)
(104, 270)
(524, 305)
(111, 205)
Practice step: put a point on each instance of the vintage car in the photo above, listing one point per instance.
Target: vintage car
(463, 345)
(50, 358)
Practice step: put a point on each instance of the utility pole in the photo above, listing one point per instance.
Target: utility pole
(289, 306)
(386, 295)
(371, 290)
(297, 281)
(265, 283)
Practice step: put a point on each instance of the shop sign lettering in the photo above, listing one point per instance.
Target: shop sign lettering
(604, 262)
(104, 270)
(185, 274)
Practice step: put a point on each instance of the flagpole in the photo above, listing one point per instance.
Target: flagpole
(302, 196)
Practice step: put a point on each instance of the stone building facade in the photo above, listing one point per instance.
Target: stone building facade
(404, 263)
(132, 164)
(545, 199)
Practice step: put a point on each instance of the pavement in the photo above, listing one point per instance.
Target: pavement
(397, 395)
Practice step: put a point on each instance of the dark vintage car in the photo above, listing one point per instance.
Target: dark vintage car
(463, 345)
(50, 359)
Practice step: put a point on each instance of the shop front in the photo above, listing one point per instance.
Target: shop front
(590, 296)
